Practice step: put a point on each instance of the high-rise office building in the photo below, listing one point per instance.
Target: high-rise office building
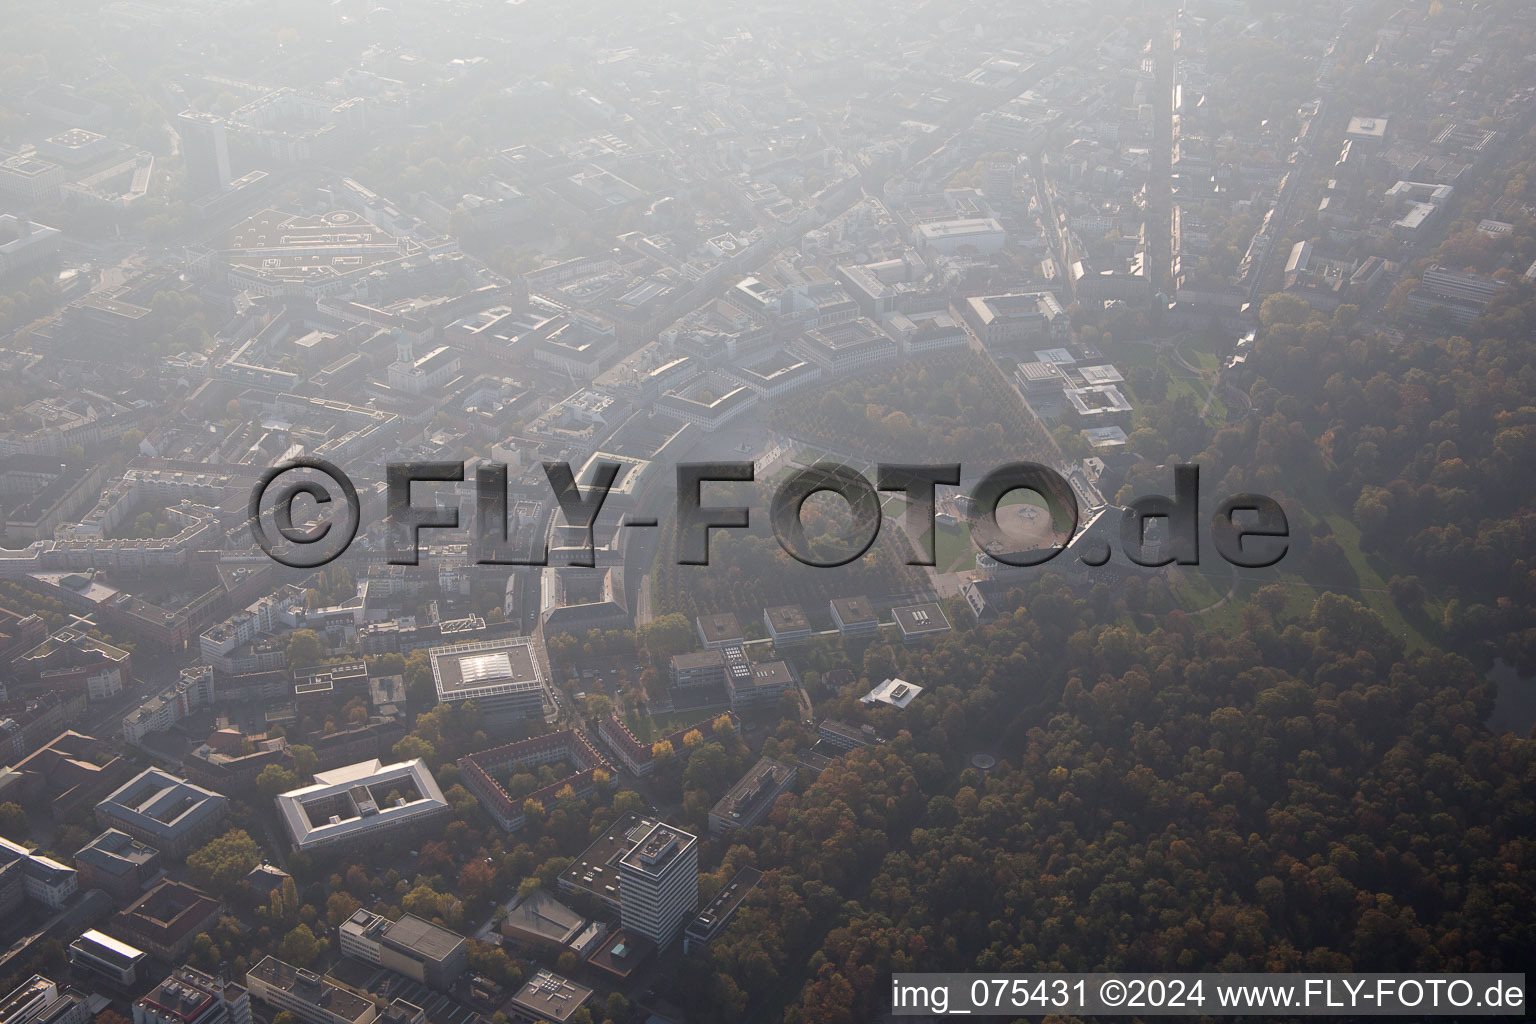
(205, 146)
(659, 883)
(998, 180)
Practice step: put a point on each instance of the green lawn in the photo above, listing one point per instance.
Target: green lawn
(1365, 580)
(1207, 361)
(1181, 382)
(1370, 573)
(1022, 497)
(1367, 575)
(1372, 587)
(1200, 586)
(1198, 352)
(953, 551)
(1135, 355)
(1368, 586)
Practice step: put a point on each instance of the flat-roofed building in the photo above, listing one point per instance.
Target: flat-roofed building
(112, 959)
(1017, 317)
(1107, 437)
(923, 333)
(854, 615)
(547, 998)
(983, 234)
(205, 146)
(1456, 284)
(1099, 405)
(30, 181)
(188, 996)
(620, 953)
(595, 871)
(97, 318)
(1423, 304)
(25, 244)
(44, 492)
(19, 631)
(1039, 379)
(787, 624)
(193, 691)
(844, 736)
(579, 347)
(918, 621)
(756, 684)
(1367, 128)
(698, 668)
(720, 629)
(407, 634)
(401, 1012)
(717, 913)
(352, 806)
(347, 677)
(418, 949)
(897, 693)
(307, 995)
(775, 372)
(659, 883)
(886, 286)
(166, 812)
(311, 255)
(75, 146)
(74, 659)
(38, 1000)
(749, 800)
(846, 347)
(504, 677)
(1105, 374)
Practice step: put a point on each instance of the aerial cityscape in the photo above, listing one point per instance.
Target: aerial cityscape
(731, 665)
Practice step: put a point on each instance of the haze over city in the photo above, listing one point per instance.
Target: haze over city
(1062, 487)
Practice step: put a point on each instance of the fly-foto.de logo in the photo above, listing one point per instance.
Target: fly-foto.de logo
(305, 512)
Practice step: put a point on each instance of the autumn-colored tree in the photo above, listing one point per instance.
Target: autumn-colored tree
(300, 947)
(475, 880)
(275, 779)
(339, 907)
(223, 862)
